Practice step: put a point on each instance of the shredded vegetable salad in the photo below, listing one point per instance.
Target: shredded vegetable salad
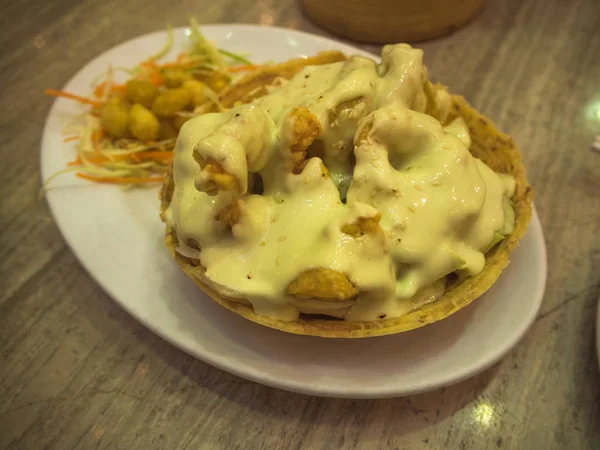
(128, 135)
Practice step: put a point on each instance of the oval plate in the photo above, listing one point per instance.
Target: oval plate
(117, 236)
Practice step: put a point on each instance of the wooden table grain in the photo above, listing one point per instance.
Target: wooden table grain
(76, 371)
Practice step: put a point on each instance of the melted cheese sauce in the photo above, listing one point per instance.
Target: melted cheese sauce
(439, 206)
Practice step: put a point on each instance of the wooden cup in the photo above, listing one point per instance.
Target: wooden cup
(388, 21)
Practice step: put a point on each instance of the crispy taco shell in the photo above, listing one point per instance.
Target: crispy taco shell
(494, 148)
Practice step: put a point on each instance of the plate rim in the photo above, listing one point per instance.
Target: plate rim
(251, 373)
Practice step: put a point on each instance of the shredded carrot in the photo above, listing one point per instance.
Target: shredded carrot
(170, 65)
(164, 156)
(150, 63)
(243, 68)
(156, 79)
(76, 162)
(179, 65)
(79, 98)
(132, 161)
(158, 156)
(101, 88)
(79, 162)
(96, 136)
(120, 180)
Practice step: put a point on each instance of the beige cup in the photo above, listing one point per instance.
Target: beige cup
(385, 21)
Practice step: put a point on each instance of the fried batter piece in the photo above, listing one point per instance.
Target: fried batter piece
(217, 178)
(305, 129)
(438, 101)
(363, 133)
(323, 284)
(363, 225)
(230, 215)
(345, 110)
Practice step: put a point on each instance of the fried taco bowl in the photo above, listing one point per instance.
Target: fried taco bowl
(344, 198)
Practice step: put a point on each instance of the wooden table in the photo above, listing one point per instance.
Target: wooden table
(76, 371)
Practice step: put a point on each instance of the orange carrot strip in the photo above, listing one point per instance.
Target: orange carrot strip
(156, 156)
(243, 68)
(159, 156)
(149, 63)
(96, 136)
(120, 180)
(118, 88)
(178, 65)
(156, 79)
(70, 138)
(76, 162)
(114, 88)
(79, 162)
(79, 98)
(99, 89)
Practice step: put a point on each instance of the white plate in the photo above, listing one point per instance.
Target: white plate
(117, 236)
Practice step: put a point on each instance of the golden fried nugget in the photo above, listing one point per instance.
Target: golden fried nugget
(362, 226)
(230, 215)
(324, 284)
(218, 179)
(345, 110)
(305, 129)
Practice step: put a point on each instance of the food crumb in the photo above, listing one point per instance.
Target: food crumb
(282, 238)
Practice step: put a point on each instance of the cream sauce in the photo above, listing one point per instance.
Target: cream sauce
(439, 206)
